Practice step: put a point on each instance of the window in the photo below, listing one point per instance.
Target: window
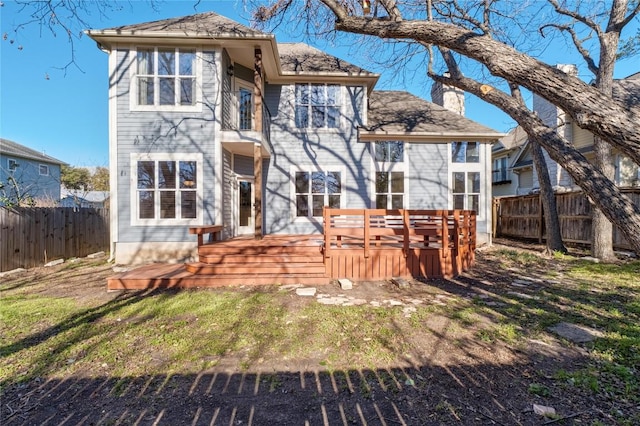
(465, 152)
(12, 164)
(466, 190)
(389, 178)
(499, 173)
(389, 190)
(316, 189)
(166, 189)
(166, 77)
(317, 106)
(44, 170)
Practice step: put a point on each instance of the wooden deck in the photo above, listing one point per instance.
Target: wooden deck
(356, 244)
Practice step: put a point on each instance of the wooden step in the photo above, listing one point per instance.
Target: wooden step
(264, 258)
(176, 276)
(201, 268)
(224, 249)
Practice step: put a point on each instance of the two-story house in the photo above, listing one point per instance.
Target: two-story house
(212, 122)
(28, 176)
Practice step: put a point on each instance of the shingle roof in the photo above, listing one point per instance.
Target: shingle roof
(627, 91)
(208, 23)
(302, 58)
(14, 149)
(514, 139)
(399, 112)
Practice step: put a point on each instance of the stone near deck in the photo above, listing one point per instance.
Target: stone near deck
(96, 255)
(575, 333)
(306, 291)
(54, 263)
(401, 282)
(345, 284)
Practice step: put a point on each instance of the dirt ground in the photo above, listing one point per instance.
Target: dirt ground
(460, 380)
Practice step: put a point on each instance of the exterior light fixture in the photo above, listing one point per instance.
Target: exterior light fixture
(366, 6)
(230, 70)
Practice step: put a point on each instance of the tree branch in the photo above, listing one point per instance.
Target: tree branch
(586, 55)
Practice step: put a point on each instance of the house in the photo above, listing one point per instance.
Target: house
(520, 167)
(28, 176)
(84, 199)
(512, 172)
(212, 122)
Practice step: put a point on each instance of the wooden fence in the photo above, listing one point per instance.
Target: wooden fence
(31, 237)
(522, 217)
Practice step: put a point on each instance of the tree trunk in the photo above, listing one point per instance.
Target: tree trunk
(551, 222)
(616, 206)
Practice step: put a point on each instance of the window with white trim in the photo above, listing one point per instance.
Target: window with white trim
(390, 174)
(12, 164)
(315, 189)
(466, 190)
(166, 77)
(317, 106)
(43, 169)
(166, 189)
(500, 172)
(465, 152)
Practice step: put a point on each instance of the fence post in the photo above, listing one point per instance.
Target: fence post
(327, 226)
(367, 231)
(540, 218)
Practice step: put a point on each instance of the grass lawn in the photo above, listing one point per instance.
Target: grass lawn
(59, 323)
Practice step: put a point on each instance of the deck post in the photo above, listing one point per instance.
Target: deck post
(405, 232)
(367, 231)
(327, 230)
(445, 233)
(257, 148)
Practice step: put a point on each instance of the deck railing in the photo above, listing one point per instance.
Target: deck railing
(371, 229)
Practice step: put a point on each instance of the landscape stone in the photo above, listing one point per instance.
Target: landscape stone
(543, 410)
(11, 272)
(306, 291)
(54, 263)
(590, 259)
(575, 333)
(96, 255)
(522, 295)
(345, 284)
(401, 282)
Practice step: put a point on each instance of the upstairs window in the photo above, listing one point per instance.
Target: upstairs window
(44, 170)
(389, 152)
(317, 106)
(465, 152)
(499, 172)
(390, 174)
(12, 164)
(166, 77)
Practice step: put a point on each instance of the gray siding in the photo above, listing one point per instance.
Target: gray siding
(428, 175)
(308, 148)
(243, 165)
(30, 182)
(227, 194)
(164, 132)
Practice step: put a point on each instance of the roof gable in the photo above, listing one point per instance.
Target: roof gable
(208, 23)
(301, 58)
(14, 149)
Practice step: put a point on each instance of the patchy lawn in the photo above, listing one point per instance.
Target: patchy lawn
(474, 350)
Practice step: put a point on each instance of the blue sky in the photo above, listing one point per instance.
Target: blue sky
(64, 113)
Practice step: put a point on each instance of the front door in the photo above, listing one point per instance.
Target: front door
(245, 207)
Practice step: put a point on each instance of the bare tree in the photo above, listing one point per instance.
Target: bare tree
(468, 31)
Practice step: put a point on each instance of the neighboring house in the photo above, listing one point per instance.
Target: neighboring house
(84, 199)
(627, 173)
(28, 175)
(512, 171)
(212, 122)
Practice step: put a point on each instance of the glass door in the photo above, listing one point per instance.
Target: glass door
(245, 210)
(245, 108)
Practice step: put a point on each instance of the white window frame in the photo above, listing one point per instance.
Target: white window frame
(133, 76)
(310, 128)
(467, 192)
(484, 150)
(133, 183)
(390, 166)
(478, 145)
(12, 164)
(310, 169)
(46, 168)
(239, 84)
